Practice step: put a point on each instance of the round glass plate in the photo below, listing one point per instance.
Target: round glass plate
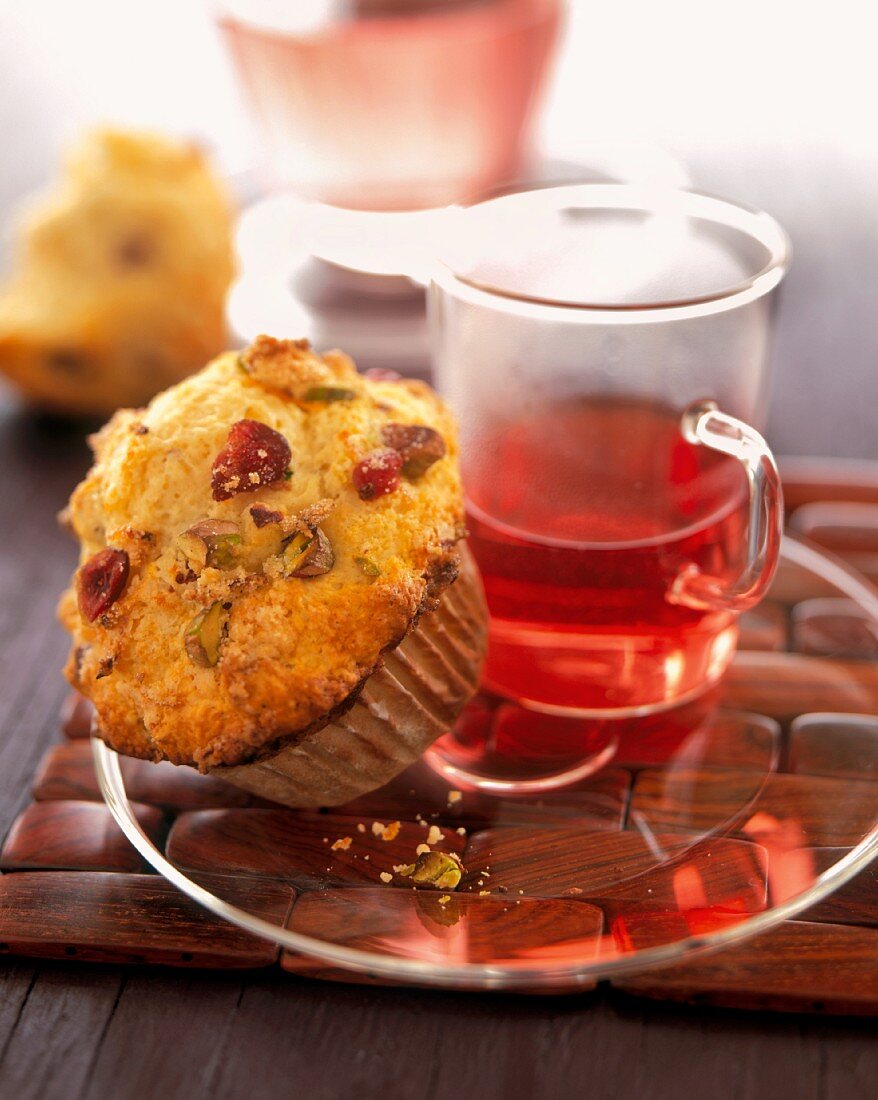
(709, 825)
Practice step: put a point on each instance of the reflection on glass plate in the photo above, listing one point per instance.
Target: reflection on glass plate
(707, 826)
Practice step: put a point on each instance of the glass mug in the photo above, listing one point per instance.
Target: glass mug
(605, 349)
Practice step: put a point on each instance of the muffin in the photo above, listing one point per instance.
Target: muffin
(267, 555)
(120, 276)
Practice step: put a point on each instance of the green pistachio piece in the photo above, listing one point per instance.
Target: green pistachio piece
(296, 551)
(368, 567)
(210, 542)
(204, 635)
(433, 910)
(418, 445)
(329, 393)
(434, 869)
(222, 552)
(193, 549)
(263, 538)
(308, 554)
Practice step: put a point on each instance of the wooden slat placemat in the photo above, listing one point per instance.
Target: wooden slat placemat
(804, 686)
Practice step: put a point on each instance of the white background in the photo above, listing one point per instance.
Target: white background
(753, 78)
(768, 101)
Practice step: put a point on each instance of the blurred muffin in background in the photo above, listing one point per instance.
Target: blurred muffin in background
(120, 276)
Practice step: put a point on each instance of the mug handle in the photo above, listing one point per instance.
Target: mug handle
(705, 425)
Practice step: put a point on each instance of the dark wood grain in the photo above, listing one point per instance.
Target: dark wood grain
(598, 802)
(646, 924)
(842, 745)
(785, 685)
(798, 967)
(721, 739)
(298, 847)
(86, 995)
(854, 903)
(793, 583)
(833, 628)
(125, 918)
(763, 627)
(817, 811)
(75, 836)
(559, 862)
(115, 1045)
(170, 1035)
(76, 716)
(198, 1035)
(809, 480)
(404, 923)
(16, 980)
(67, 772)
(846, 528)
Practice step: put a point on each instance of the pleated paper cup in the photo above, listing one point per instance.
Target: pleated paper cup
(402, 708)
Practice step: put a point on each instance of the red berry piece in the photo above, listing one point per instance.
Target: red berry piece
(382, 374)
(101, 581)
(418, 446)
(377, 474)
(254, 456)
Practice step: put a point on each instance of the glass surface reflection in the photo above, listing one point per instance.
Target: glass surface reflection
(709, 825)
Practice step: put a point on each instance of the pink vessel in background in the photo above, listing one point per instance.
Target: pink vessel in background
(383, 105)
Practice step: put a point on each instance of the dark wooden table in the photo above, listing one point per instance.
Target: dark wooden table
(70, 1031)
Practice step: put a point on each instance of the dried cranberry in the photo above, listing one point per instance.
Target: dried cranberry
(418, 446)
(382, 374)
(377, 474)
(254, 456)
(101, 582)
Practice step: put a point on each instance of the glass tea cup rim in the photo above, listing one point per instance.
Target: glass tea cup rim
(758, 225)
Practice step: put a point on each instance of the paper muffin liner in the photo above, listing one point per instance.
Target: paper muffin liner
(402, 708)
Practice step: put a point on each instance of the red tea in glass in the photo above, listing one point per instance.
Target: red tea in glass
(605, 349)
(581, 517)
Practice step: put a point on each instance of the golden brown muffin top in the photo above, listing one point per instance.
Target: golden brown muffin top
(251, 543)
